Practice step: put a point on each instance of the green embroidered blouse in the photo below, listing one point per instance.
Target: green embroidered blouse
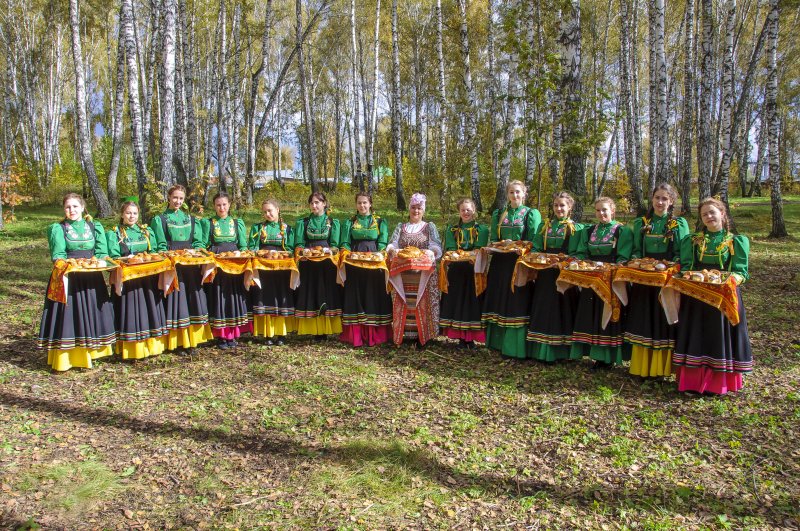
(81, 235)
(656, 241)
(600, 240)
(138, 238)
(317, 228)
(369, 227)
(515, 223)
(467, 236)
(550, 238)
(270, 233)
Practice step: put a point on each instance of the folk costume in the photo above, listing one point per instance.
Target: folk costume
(651, 337)
(81, 328)
(272, 304)
(552, 313)
(711, 354)
(227, 296)
(506, 313)
(604, 242)
(141, 321)
(186, 307)
(415, 311)
(460, 316)
(367, 316)
(318, 301)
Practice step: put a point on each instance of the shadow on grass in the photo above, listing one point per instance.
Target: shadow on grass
(664, 496)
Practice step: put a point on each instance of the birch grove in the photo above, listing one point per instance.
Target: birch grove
(450, 97)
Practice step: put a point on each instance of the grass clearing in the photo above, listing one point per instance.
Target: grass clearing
(316, 435)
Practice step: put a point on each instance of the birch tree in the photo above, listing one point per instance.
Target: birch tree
(81, 119)
(396, 146)
(778, 224)
(571, 87)
(470, 137)
(705, 151)
(127, 32)
(167, 124)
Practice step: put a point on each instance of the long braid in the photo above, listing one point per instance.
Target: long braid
(280, 229)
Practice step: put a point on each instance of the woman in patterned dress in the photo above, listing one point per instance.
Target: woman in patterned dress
(187, 307)
(506, 313)
(711, 354)
(416, 316)
(272, 304)
(367, 317)
(139, 310)
(81, 329)
(460, 316)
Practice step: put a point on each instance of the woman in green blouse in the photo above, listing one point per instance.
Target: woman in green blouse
(139, 310)
(506, 313)
(82, 329)
(367, 307)
(272, 304)
(227, 297)
(606, 241)
(460, 314)
(553, 313)
(657, 235)
(318, 303)
(186, 307)
(711, 354)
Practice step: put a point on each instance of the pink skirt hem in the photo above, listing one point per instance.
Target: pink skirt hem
(360, 335)
(704, 380)
(232, 332)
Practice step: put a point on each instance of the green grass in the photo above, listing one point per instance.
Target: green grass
(323, 436)
(74, 488)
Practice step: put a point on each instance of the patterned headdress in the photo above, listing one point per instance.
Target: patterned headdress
(418, 199)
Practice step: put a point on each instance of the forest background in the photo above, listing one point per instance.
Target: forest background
(452, 98)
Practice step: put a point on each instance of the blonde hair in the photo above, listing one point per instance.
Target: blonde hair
(465, 200)
(607, 200)
(514, 183)
(719, 205)
(566, 196)
(124, 207)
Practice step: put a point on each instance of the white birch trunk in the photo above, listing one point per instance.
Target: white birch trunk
(167, 126)
(471, 116)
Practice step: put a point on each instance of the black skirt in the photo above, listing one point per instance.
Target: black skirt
(460, 307)
(139, 311)
(588, 323)
(706, 338)
(187, 306)
(552, 313)
(227, 301)
(501, 306)
(646, 324)
(274, 298)
(85, 321)
(366, 301)
(318, 294)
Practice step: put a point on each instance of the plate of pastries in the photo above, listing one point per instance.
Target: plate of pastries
(188, 253)
(273, 254)
(316, 252)
(511, 245)
(142, 258)
(366, 256)
(649, 264)
(411, 253)
(710, 276)
(587, 265)
(89, 263)
(235, 254)
(544, 258)
(459, 255)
